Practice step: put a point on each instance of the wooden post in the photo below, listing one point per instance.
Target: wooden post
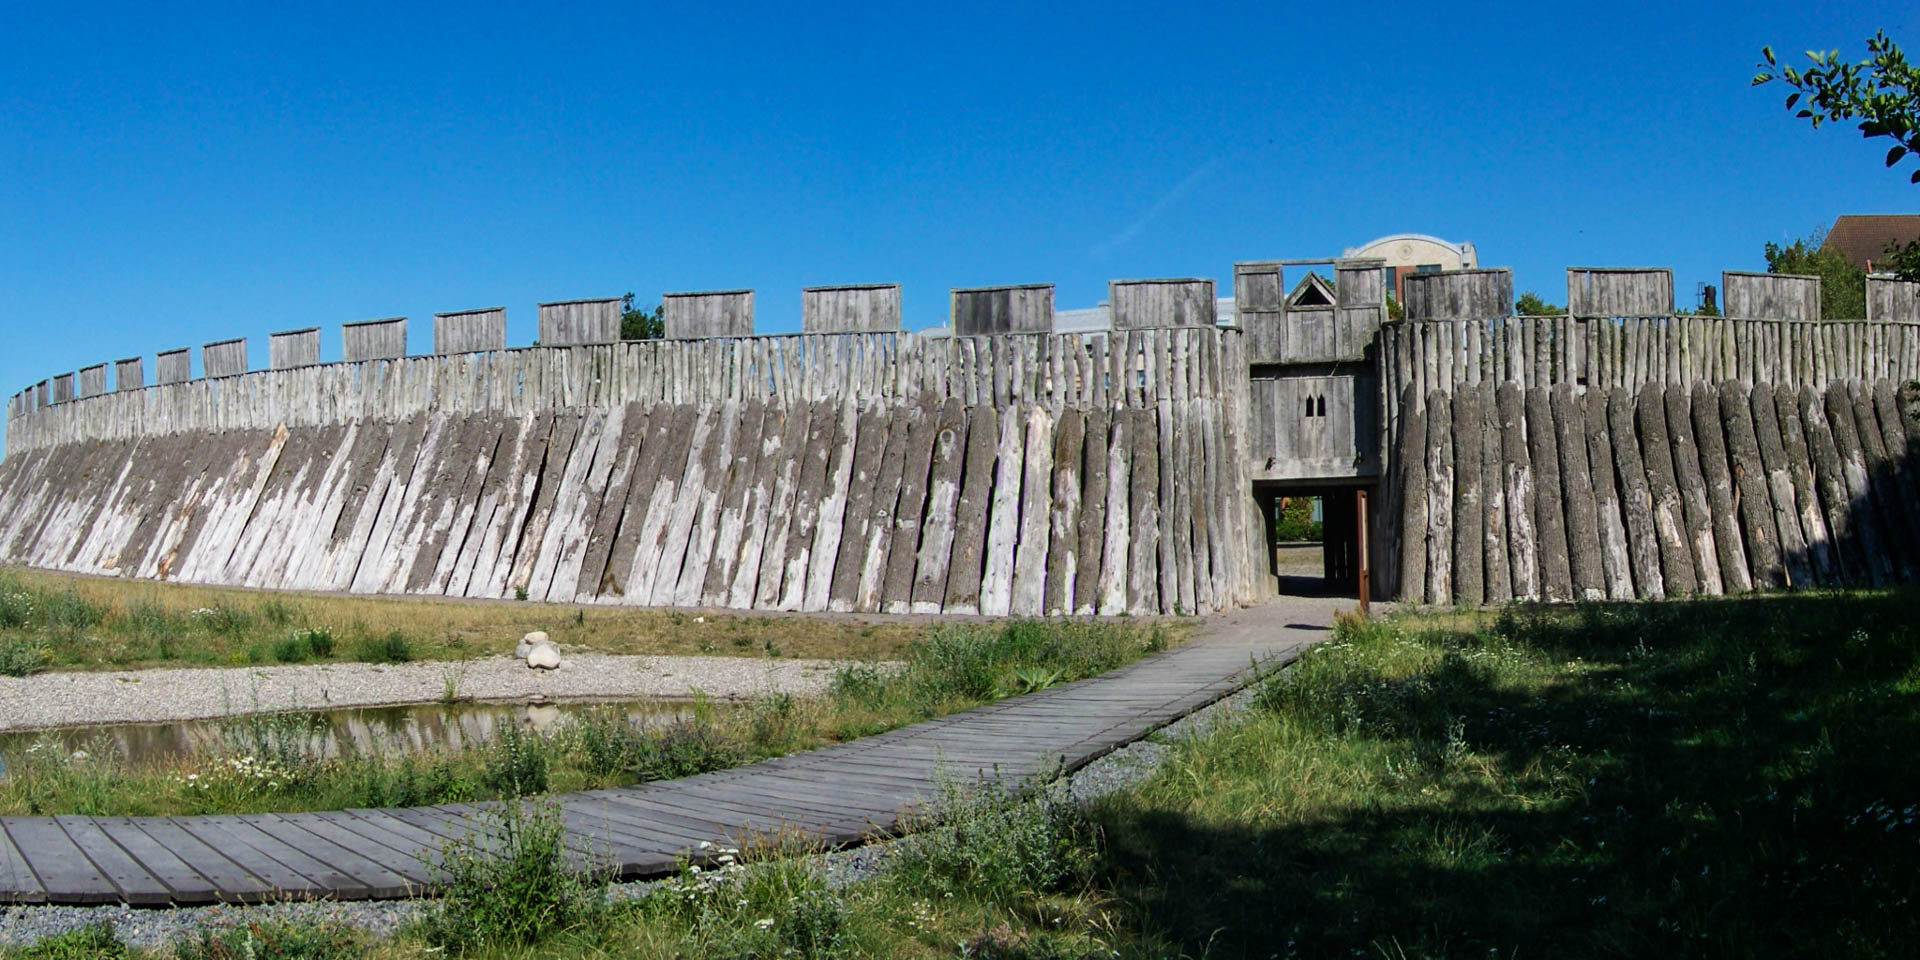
(1360, 512)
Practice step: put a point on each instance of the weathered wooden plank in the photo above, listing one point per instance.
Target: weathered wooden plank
(1795, 554)
(832, 419)
(1905, 472)
(1549, 511)
(1616, 561)
(1410, 461)
(131, 880)
(1469, 580)
(1710, 441)
(875, 427)
(924, 555)
(1143, 552)
(870, 552)
(1576, 476)
(1003, 524)
(970, 515)
(1093, 512)
(715, 466)
(1855, 538)
(1028, 589)
(777, 424)
(1637, 499)
(624, 548)
(1826, 563)
(1902, 542)
(1115, 572)
(829, 523)
(735, 503)
(683, 506)
(1756, 507)
(807, 422)
(1061, 562)
(1695, 567)
(1496, 566)
(1439, 531)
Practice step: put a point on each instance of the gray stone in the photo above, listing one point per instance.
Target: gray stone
(543, 656)
(528, 642)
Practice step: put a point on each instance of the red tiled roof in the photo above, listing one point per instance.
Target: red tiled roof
(1864, 237)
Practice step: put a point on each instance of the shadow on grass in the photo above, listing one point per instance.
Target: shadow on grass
(1732, 778)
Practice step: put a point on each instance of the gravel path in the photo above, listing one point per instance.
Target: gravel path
(155, 696)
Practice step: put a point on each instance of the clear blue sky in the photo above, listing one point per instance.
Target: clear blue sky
(178, 174)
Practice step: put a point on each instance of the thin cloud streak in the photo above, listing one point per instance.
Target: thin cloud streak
(1139, 225)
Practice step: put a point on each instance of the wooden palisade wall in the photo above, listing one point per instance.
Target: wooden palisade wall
(1019, 308)
(1144, 304)
(1022, 474)
(293, 348)
(568, 322)
(129, 374)
(1667, 490)
(854, 308)
(92, 381)
(1890, 299)
(173, 366)
(1619, 291)
(1768, 296)
(224, 358)
(470, 331)
(715, 313)
(374, 339)
(1459, 294)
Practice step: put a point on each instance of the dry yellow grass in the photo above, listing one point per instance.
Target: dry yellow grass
(439, 628)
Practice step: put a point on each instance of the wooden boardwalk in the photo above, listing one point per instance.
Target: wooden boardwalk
(839, 795)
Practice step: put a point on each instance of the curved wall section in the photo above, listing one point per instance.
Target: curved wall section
(875, 472)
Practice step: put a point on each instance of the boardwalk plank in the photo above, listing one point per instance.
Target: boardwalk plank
(64, 871)
(135, 885)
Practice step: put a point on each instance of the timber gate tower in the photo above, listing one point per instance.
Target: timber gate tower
(1008, 465)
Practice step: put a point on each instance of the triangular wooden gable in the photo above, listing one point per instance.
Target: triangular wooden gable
(1314, 291)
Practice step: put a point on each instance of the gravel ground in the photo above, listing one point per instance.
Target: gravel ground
(153, 928)
(156, 696)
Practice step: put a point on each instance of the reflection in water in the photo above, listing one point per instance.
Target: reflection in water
(409, 729)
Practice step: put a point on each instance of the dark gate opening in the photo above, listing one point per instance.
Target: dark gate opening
(1322, 558)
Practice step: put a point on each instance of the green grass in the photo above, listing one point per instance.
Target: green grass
(66, 622)
(1715, 778)
(1727, 778)
(274, 762)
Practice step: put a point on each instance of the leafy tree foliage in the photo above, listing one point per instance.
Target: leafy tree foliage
(1532, 304)
(641, 324)
(1843, 286)
(1903, 259)
(1882, 93)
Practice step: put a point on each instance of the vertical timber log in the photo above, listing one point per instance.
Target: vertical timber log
(1750, 483)
(1549, 510)
(1709, 438)
(1657, 449)
(1828, 568)
(1616, 563)
(1495, 564)
(1636, 499)
(1794, 552)
(1899, 540)
(1468, 549)
(1439, 455)
(1855, 540)
(1412, 465)
(1523, 549)
(1576, 482)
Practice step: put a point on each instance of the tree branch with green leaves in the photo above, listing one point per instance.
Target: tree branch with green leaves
(1881, 92)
